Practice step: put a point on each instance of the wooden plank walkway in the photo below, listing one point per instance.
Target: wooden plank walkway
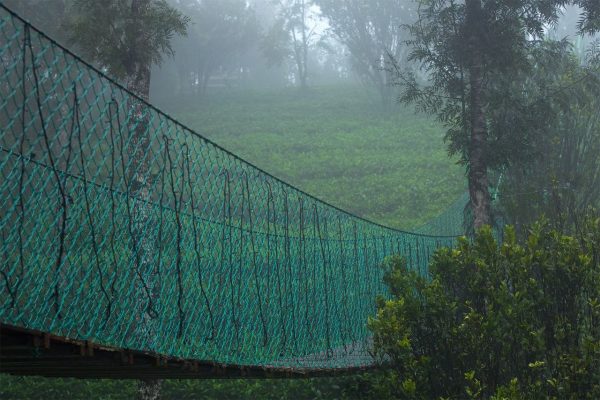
(30, 352)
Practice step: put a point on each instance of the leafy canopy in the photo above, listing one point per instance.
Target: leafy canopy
(501, 321)
(510, 40)
(107, 32)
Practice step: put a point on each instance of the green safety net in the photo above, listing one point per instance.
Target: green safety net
(122, 226)
(452, 221)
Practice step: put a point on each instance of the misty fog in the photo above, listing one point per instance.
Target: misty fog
(470, 122)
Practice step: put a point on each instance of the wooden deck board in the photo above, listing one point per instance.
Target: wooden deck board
(30, 352)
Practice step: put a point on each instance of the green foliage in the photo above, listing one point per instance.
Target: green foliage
(334, 143)
(374, 385)
(560, 178)
(473, 53)
(292, 36)
(34, 388)
(107, 32)
(590, 20)
(502, 321)
(371, 30)
(508, 35)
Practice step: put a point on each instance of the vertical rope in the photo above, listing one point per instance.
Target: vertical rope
(91, 224)
(288, 257)
(280, 294)
(255, 266)
(343, 276)
(13, 291)
(227, 223)
(326, 284)
(150, 310)
(113, 213)
(196, 246)
(177, 206)
(304, 269)
(63, 196)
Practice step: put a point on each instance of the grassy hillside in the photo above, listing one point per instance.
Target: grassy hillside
(333, 143)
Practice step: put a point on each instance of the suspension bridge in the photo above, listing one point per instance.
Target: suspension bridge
(133, 247)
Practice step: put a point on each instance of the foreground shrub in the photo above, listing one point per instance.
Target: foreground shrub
(500, 321)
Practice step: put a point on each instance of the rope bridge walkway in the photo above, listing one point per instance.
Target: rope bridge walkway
(124, 231)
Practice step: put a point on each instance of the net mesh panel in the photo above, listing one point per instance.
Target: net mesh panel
(122, 226)
(452, 222)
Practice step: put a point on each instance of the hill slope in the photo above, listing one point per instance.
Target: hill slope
(333, 143)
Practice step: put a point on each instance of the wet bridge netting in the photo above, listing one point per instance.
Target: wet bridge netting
(120, 224)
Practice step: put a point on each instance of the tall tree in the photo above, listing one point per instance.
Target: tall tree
(292, 35)
(467, 49)
(221, 32)
(372, 30)
(126, 38)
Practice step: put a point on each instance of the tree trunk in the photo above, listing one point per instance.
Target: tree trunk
(304, 72)
(478, 173)
(138, 81)
(149, 389)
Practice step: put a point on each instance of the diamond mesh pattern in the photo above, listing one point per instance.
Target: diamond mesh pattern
(123, 226)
